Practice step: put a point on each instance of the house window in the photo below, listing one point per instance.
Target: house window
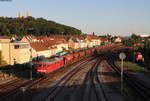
(24, 46)
(16, 46)
(21, 46)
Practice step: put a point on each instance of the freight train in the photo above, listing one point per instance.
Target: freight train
(46, 66)
(49, 65)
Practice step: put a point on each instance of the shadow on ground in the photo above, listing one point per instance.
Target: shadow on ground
(74, 92)
(18, 70)
(63, 93)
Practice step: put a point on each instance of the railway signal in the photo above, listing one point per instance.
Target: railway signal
(122, 56)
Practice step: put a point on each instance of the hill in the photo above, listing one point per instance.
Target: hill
(34, 26)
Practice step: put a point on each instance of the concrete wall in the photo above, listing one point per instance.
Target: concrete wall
(6, 52)
(61, 46)
(20, 55)
(0, 46)
(74, 45)
(96, 42)
(46, 53)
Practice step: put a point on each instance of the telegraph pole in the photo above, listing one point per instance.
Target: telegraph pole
(30, 64)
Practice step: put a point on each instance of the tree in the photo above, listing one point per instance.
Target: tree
(30, 25)
(136, 38)
(93, 34)
(147, 44)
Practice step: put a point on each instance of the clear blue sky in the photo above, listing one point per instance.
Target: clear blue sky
(119, 17)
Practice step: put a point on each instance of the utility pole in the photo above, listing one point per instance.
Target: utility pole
(30, 64)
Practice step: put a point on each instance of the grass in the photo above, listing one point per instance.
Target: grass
(134, 67)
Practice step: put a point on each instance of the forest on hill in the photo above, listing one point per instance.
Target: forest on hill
(34, 26)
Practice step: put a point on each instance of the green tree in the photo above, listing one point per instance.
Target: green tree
(30, 25)
(136, 38)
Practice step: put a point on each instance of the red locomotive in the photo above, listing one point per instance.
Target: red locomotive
(49, 65)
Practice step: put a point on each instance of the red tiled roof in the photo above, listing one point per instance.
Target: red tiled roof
(42, 46)
(138, 45)
(104, 39)
(5, 37)
(82, 36)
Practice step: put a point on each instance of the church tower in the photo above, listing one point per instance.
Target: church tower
(27, 14)
(20, 15)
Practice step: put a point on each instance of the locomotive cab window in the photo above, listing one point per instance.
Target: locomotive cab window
(40, 65)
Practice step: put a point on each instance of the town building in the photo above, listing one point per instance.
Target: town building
(13, 51)
(73, 43)
(45, 46)
(30, 47)
(117, 39)
(145, 35)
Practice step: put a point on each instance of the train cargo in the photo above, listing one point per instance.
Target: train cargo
(81, 54)
(75, 57)
(88, 52)
(68, 58)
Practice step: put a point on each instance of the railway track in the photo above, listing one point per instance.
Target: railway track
(91, 80)
(16, 92)
(94, 85)
(56, 90)
(74, 65)
(138, 86)
(4, 86)
(72, 88)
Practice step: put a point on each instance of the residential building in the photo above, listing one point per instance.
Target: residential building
(14, 51)
(42, 49)
(145, 35)
(29, 47)
(118, 39)
(45, 46)
(74, 43)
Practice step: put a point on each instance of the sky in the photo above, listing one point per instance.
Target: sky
(116, 17)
